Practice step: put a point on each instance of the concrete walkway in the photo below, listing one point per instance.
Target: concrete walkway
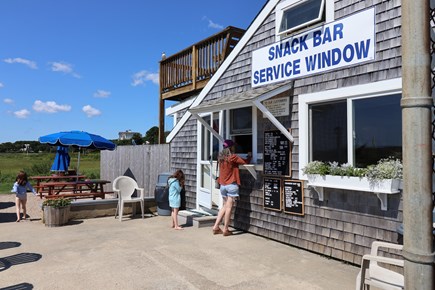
(103, 253)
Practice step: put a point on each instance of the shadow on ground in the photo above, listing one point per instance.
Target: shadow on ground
(8, 204)
(7, 262)
(21, 286)
(8, 245)
(8, 217)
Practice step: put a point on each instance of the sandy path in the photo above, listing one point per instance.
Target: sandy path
(7, 208)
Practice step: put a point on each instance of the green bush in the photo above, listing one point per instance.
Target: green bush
(92, 174)
(42, 168)
(57, 202)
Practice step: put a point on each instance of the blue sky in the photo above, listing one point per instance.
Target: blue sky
(92, 65)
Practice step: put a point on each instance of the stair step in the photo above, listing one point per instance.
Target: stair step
(195, 219)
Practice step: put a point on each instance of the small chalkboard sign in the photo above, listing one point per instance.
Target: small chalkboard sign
(272, 193)
(294, 197)
(276, 154)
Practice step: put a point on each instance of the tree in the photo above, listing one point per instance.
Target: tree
(137, 139)
(152, 136)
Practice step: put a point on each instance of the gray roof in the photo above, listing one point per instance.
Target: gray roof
(241, 99)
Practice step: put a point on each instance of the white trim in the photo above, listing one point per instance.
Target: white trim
(329, 11)
(254, 132)
(267, 9)
(285, 5)
(350, 131)
(174, 119)
(208, 127)
(367, 90)
(179, 106)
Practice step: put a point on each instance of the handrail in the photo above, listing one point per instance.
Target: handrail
(198, 62)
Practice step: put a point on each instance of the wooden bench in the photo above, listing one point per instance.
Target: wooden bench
(79, 195)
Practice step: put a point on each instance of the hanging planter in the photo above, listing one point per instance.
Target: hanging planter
(56, 212)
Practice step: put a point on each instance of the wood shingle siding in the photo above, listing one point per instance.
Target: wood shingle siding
(345, 224)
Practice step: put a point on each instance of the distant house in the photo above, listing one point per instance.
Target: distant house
(126, 135)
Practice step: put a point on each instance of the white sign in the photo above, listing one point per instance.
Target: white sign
(348, 41)
(278, 107)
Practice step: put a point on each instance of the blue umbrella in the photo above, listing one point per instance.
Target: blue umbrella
(80, 139)
(61, 160)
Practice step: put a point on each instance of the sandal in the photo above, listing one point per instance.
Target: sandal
(227, 233)
(217, 232)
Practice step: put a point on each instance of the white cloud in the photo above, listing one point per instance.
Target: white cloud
(49, 107)
(8, 101)
(22, 114)
(91, 112)
(65, 68)
(211, 24)
(101, 94)
(1, 85)
(141, 77)
(27, 62)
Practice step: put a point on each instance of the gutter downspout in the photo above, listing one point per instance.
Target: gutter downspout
(417, 146)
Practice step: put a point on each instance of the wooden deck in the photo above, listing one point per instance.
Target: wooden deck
(186, 73)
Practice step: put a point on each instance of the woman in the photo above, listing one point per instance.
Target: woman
(176, 184)
(229, 180)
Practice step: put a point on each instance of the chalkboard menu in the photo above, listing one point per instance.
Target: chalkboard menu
(276, 154)
(294, 197)
(272, 193)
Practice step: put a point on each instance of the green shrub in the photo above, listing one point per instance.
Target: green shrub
(57, 202)
(92, 174)
(42, 168)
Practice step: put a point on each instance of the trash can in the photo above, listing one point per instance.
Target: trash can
(160, 196)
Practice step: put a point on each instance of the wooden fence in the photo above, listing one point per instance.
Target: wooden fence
(143, 163)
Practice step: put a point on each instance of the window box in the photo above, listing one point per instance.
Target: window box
(381, 187)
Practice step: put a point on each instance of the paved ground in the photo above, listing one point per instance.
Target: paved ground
(103, 253)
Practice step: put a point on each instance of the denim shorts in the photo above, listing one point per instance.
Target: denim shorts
(231, 190)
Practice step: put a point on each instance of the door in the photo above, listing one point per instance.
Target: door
(208, 149)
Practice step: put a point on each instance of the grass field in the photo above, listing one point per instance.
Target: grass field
(40, 164)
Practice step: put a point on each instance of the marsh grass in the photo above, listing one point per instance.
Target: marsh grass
(40, 164)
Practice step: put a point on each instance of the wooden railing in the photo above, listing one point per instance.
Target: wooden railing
(189, 70)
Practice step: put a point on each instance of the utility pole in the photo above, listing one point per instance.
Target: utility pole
(417, 146)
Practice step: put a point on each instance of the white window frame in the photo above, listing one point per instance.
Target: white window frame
(284, 5)
(382, 88)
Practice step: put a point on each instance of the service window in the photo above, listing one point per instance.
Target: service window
(241, 129)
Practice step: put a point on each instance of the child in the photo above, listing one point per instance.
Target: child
(20, 188)
(176, 184)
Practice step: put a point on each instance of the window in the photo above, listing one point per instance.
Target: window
(328, 140)
(377, 129)
(358, 125)
(209, 143)
(241, 129)
(292, 15)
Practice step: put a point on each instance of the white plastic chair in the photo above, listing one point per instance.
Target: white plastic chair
(373, 274)
(124, 187)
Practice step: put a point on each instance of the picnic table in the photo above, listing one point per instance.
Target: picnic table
(49, 178)
(74, 189)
